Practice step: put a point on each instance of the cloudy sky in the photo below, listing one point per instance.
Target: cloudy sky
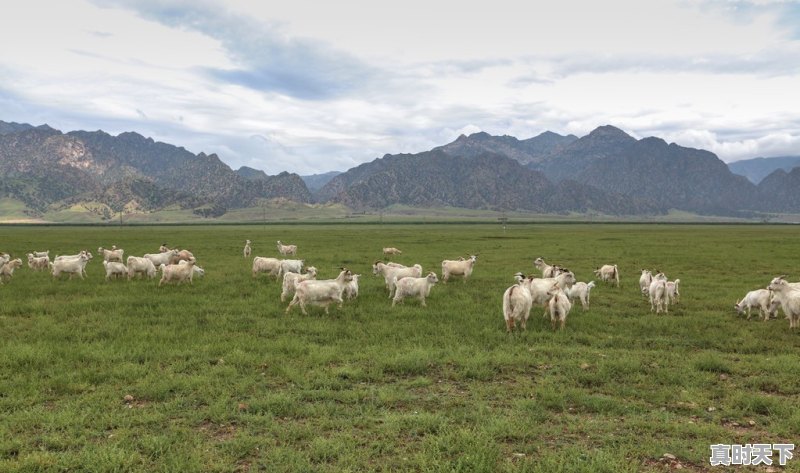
(312, 86)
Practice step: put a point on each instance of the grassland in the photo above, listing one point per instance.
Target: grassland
(223, 380)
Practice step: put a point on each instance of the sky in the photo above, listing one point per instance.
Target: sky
(309, 86)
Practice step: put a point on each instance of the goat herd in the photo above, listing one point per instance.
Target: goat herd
(555, 290)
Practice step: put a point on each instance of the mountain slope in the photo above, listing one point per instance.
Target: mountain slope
(40, 166)
(780, 191)
(671, 175)
(532, 150)
(757, 169)
(481, 181)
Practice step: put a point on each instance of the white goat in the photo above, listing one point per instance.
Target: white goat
(290, 266)
(323, 292)
(391, 251)
(539, 287)
(608, 272)
(177, 272)
(198, 271)
(581, 291)
(41, 254)
(7, 270)
(559, 305)
(247, 249)
(290, 281)
(161, 258)
(286, 249)
(266, 265)
(414, 287)
(547, 270)
(351, 289)
(517, 303)
(115, 269)
(114, 254)
(659, 298)
(70, 266)
(394, 271)
(760, 298)
(143, 266)
(674, 291)
(644, 281)
(788, 297)
(163, 248)
(38, 263)
(458, 268)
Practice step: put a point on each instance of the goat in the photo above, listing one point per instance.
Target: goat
(286, 249)
(608, 272)
(458, 268)
(321, 292)
(517, 303)
(411, 286)
(580, 290)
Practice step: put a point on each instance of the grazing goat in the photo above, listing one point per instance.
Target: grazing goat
(659, 298)
(547, 270)
(608, 272)
(113, 254)
(559, 305)
(266, 265)
(247, 249)
(38, 263)
(760, 298)
(290, 281)
(115, 269)
(177, 272)
(321, 292)
(161, 258)
(7, 270)
(290, 266)
(391, 251)
(788, 297)
(539, 287)
(181, 255)
(198, 271)
(581, 291)
(70, 266)
(644, 281)
(351, 289)
(458, 268)
(414, 287)
(674, 291)
(143, 266)
(286, 249)
(517, 303)
(393, 271)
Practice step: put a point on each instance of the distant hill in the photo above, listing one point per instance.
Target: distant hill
(42, 166)
(757, 169)
(480, 181)
(780, 191)
(315, 182)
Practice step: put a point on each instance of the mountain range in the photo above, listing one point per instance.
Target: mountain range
(757, 169)
(606, 171)
(46, 169)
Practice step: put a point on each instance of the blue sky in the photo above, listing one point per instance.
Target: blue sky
(309, 86)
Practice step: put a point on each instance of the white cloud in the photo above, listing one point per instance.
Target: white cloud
(328, 85)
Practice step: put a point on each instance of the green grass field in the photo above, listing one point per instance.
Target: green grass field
(223, 380)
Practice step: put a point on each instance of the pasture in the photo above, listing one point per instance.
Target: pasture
(221, 379)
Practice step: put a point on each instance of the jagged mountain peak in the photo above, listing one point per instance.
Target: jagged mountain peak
(609, 132)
